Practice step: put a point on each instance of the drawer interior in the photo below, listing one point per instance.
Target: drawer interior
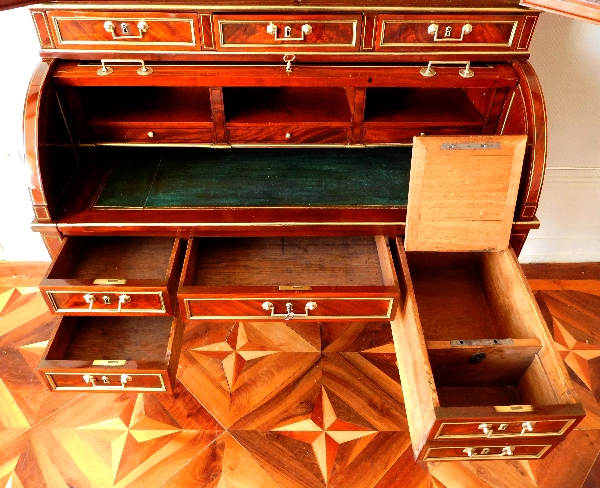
(140, 339)
(483, 346)
(287, 261)
(114, 257)
(272, 105)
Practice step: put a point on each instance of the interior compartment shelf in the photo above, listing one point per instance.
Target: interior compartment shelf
(285, 105)
(135, 106)
(422, 107)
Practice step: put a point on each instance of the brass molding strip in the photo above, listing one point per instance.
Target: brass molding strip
(449, 42)
(429, 458)
(51, 293)
(100, 388)
(268, 317)
(277, 8)
(354, 23)
(229, 224)
(476, 435)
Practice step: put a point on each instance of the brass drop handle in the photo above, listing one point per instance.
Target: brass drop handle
(110, 27)
(105, 70)
(273, 30)
(470, 451)
(106, 384)
(122, 300)
(507, 451)
(466, 72)
(89, 298)
(434, 30)
(287, 59)
(289, 307)
(526, 427)
(487, 429)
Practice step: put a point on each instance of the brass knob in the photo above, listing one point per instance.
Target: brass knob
(150, 134)
(288, 135)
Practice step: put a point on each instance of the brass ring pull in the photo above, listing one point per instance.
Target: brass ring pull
(434, 30)
(105, 384)
(107, 70)
(110, 27)
(289, 307)
(273, 30)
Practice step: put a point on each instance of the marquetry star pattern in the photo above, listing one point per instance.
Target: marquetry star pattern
(234, 352)
(325, 431)
(143, 427)
(575, 354)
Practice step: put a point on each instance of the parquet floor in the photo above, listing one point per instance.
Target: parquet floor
(266, 405)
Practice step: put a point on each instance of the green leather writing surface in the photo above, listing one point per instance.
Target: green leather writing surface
(204, 177)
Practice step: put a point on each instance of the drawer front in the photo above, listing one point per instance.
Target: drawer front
(150, 135)
(124, 30)
(393, 135)
(259, 309)
(495, 429)
(441, 32)
(106, 302)
(279, 32)
(98, 381)
(288, 135)
(480, 453)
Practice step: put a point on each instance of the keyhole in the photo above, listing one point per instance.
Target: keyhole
(124, 28)
(448, 31)
(287, 31)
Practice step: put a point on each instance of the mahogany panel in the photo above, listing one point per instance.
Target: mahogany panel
(293, 134)
(483, 451)
(42, 29)
(279, 32)
(466, 32)
(107, 301)
(343, 306)
(150, 134)
(167, 31)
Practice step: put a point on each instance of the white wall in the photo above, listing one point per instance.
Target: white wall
(19, 57)
(564, 52)
(566, 56)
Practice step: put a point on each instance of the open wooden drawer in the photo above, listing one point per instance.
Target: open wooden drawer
(480, 376)
(280, 278)
(112, 353)
(114, 275)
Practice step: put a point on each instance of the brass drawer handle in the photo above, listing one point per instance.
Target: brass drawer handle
(472, 451)
(273, 30)
(105, 70)
(110, 27)
(434, 30)
(105, 383)
(89, 298)
(527, 427)
(289, 307)
(123, 299)
(466, 72)
(487, 429)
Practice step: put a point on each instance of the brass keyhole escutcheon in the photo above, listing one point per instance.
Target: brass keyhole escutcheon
(477, 358)
(125, 29)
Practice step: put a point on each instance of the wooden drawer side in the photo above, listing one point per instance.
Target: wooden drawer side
(418, 385)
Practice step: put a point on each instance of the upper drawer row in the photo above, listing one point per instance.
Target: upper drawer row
(190, 32)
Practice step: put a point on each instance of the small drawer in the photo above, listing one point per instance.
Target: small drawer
(114, 275)
(150, 135)
(288, 135)
(374, 134)
(491, 430)
(300, 278)
(468, 32)
(147, 31)
(112, 353)
(279, 32)
(475, 358)
(483, 452)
